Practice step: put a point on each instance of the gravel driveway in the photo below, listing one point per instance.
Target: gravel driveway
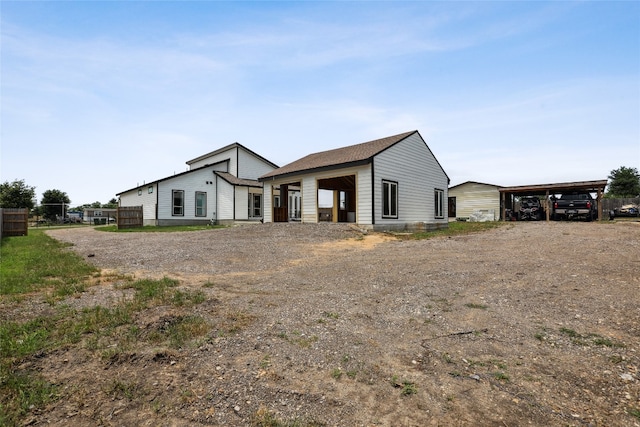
(529, 324)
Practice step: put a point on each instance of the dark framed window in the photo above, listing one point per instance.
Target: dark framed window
(150, 189)
(438, 203)
(389, 199)
(177, 203)
(201, 203)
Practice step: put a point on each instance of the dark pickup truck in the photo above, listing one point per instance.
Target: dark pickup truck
(575, 206)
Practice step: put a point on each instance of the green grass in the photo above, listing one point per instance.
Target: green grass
(589, 339)
(457, 228)
(35, 262)
(157, 229)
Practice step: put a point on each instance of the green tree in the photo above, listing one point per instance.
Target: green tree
(113, 203)
(624, 182)
(54, 203)
(17, 195)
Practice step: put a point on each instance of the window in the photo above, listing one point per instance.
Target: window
(439, 203)
(140, 192)
(201, 203)
(389, 199)
(150, 189)
(257, 205)
(178, 202)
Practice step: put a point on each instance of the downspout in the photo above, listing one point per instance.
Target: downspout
(215, 212)
(157, 221)
(373, 193)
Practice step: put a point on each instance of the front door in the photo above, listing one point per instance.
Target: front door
(255, 206)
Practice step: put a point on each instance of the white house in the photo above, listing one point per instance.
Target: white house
(393, 183)
(221, 186)
(475, 201)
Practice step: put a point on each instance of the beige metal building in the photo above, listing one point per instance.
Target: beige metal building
(474, 201)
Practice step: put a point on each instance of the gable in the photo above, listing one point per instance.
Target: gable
(352, 155)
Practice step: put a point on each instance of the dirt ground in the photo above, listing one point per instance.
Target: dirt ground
(528, 324)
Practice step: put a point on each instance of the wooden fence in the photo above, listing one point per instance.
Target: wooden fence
(130, 217)
(14, 222)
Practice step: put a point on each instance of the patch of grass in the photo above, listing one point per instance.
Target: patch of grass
(264, 418)
(119, 389)
(157, 229)
(478, 306)
(455, 229)
(634, 412)
(37, 262)
(589, 339)
(331, 315)
(265, 362)
(500, 376)
(569, 332)
(233, 322)
(186, 329)
(408, 388)
(20, 392)
(336, 373)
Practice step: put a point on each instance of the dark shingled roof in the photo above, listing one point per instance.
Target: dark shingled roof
(233, 180)
(354, 154)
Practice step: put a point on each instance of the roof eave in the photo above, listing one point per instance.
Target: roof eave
(315, 170)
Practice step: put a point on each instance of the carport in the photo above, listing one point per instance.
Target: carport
(508, 194)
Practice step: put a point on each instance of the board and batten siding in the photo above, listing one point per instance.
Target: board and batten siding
(474, 196)
(190, 183)
(412, 165)
(142, 197)
(250, 166)
(225, 200)
(228, 157)
(241, 203)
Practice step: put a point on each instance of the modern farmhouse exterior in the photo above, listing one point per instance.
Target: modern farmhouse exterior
(221, 186)
(475, 201)
(393, 183)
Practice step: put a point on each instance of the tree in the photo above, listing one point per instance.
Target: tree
(54, 204)
(17, 195)
(625, 182)
(113, 203)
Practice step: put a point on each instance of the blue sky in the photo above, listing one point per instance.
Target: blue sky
(98, 97)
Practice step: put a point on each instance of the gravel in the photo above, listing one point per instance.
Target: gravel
(530, 323)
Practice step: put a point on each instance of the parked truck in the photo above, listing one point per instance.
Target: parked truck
(577, 205)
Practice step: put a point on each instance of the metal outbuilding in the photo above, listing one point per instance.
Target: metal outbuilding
(507, 194)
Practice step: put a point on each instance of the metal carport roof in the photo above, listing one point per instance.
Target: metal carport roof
(550, 189)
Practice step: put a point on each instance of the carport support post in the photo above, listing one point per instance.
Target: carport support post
(599, 201)
(546, 205)
(336, 203)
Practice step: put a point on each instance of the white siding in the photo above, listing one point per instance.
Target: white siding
(190, 183)
(250, 166)
(242, 203)
(309, 202)
(225, 200)
(411, 164)
(267, 200)
(141, 197)
(473, 196)
(230, 155)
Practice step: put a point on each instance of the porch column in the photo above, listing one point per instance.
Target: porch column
(336, 206)
(284, 200)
